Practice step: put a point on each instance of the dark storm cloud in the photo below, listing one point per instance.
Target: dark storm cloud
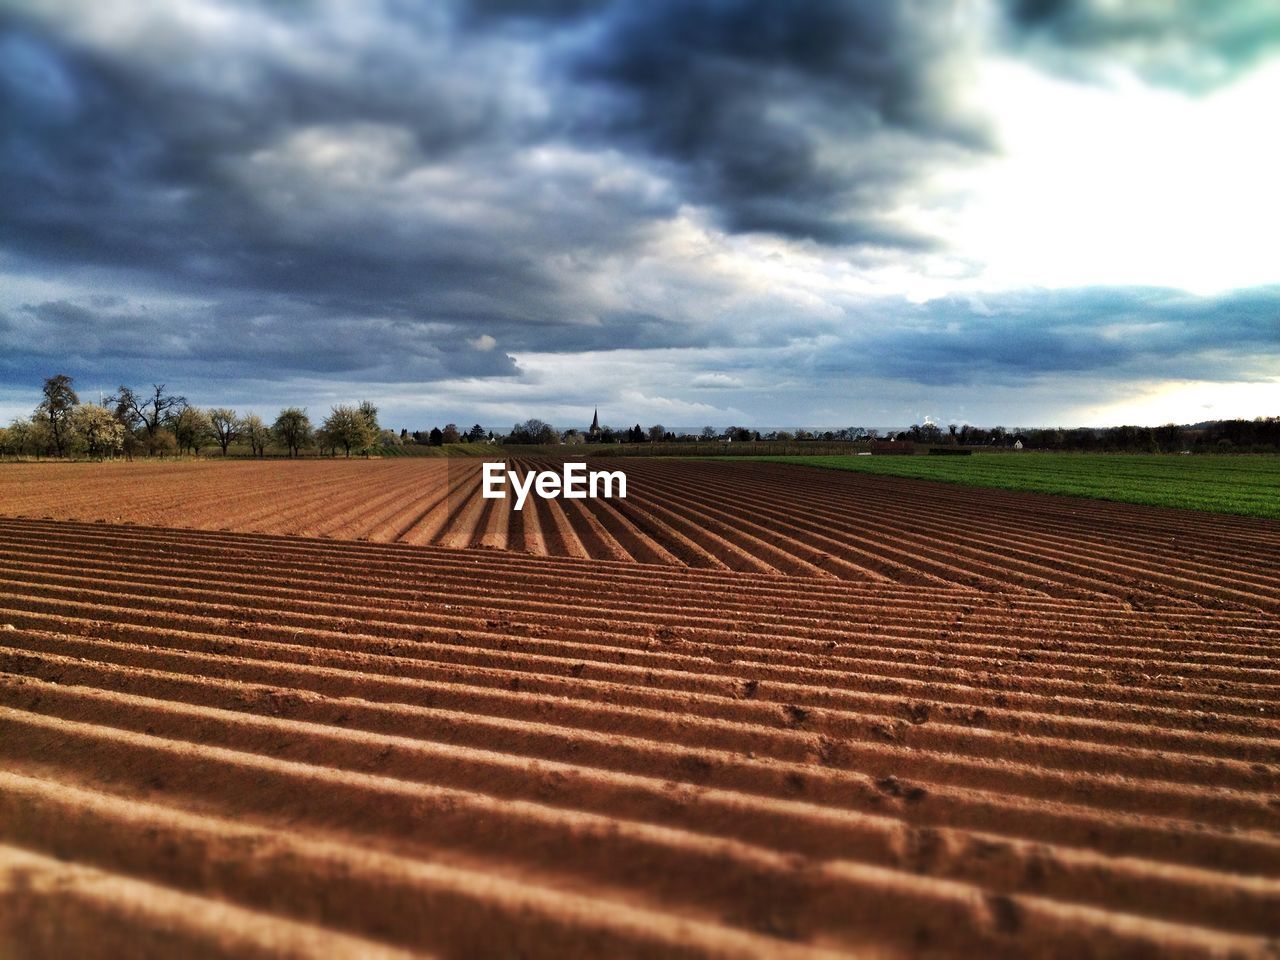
(1018, 336)
(136, 165)
(1190, 44)
(208, 353)
(380, 164)
(546, 11)
(796, 119)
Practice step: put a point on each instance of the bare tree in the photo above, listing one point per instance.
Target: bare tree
(151, 412)
(56, 408)
(226, 427)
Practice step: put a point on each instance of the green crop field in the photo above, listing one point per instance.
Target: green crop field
(1245, 485)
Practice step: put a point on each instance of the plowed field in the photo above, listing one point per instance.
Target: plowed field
(748, 711)
(748, 517)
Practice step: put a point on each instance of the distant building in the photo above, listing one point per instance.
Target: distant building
(594, 432)
(1017, 444)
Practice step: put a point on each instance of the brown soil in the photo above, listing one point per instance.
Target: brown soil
(747, 517)
(745, 712)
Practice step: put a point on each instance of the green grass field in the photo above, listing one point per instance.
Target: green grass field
(1245, 485)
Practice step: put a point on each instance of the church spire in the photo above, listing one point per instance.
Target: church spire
(595, 423)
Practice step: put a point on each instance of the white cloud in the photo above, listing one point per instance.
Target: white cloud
(1123, 185)
(715, 381)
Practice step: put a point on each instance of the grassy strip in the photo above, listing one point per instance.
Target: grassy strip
(446, 450)
(1243, 485)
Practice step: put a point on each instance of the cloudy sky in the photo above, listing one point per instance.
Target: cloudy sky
(1019, 212)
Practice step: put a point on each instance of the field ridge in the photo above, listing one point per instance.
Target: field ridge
(439, 750)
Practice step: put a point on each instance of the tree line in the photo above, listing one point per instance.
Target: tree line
(1259, 435)
(156, 422)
